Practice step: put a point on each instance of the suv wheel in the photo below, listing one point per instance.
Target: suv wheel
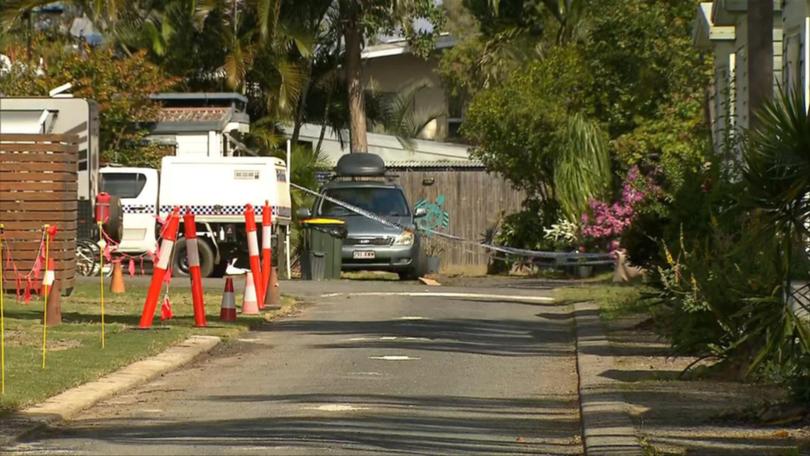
(410, 274)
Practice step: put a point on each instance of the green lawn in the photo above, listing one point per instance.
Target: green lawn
(74, 354)
(614, 300)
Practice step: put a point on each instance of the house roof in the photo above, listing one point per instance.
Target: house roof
(438, 164)
(386, 146)
(725, 12)
(219, 96)
(705, 31)
(400, 47)
(174, 120)
(206, 114)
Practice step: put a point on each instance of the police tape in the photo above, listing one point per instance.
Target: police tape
(580, 259)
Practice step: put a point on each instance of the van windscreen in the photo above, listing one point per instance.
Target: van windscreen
(123, 185)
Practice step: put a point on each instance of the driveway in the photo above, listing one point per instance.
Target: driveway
(486, 367)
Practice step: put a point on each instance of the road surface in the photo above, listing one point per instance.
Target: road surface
(372, 368)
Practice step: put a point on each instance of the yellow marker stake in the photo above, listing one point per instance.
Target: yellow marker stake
(2, 321)
(101, 244)
(45, 303)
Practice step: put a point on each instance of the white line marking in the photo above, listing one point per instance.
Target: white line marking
(447, 295)
(337, 408)
(408, 317)
(387, 338)
(394, 358)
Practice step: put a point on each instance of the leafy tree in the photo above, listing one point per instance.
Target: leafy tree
(650, 81)
(534, 130)
(124, 103)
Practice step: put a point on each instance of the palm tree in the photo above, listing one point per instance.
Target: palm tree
(776, 175)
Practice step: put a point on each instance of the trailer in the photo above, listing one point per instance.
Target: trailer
(215, 189)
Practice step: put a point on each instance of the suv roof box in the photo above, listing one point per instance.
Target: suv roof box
(360, 165)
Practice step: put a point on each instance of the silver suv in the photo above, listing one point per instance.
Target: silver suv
(371, 245)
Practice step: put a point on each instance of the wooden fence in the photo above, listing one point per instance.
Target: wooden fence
(474, 200)
(38, 185)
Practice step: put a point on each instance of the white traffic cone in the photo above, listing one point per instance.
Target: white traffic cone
(250, 305)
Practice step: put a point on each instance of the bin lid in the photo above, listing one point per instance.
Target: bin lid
(323, 221)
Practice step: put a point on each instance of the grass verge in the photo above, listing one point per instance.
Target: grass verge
(615, 300)
(74, 353)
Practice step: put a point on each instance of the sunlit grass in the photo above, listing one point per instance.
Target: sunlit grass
(74, 352)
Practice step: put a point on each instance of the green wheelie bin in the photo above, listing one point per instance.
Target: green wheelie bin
(323, 243)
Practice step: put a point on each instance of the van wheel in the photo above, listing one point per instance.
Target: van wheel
(180, 262)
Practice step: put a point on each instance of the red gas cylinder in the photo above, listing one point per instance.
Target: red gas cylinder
(103, 207)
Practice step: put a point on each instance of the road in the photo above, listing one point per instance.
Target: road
(485, 368)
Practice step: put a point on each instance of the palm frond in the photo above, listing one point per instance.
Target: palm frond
(400, 117)
(582, 170)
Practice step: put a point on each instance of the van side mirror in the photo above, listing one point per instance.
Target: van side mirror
(303, 213)
(419, 212)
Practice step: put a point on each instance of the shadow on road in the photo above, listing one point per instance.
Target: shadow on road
(431, 425)
(483, 337)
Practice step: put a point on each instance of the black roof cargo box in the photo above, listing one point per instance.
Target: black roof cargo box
(360, 165)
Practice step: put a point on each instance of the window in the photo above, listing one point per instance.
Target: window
(455, 111)
(378, 200)
(123, 185)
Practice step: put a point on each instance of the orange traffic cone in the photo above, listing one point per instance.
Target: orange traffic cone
(250, 305)
(53, 314)
(227, 311)
(272, 294)
(117, 283)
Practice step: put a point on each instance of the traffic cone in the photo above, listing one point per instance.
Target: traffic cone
(272, 294)
(227, 311)
(53, 314)
(249, 304)
(117, 283)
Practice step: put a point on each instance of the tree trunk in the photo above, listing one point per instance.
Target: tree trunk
(354, 83)
(325, 121)
(302, 102)
(760, 57)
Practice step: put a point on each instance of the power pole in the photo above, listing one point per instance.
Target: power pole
(760, 57)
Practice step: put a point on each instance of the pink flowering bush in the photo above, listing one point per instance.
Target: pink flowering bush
(609, 220)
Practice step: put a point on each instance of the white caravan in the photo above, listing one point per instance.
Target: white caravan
(215, 189)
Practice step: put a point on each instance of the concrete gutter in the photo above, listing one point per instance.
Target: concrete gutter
(70, 403)
(606, 426)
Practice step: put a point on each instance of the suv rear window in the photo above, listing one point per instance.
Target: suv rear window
(378, 200)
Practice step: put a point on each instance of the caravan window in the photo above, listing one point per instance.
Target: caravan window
(123, 185)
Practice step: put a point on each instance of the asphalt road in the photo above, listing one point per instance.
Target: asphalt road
(487, 368)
